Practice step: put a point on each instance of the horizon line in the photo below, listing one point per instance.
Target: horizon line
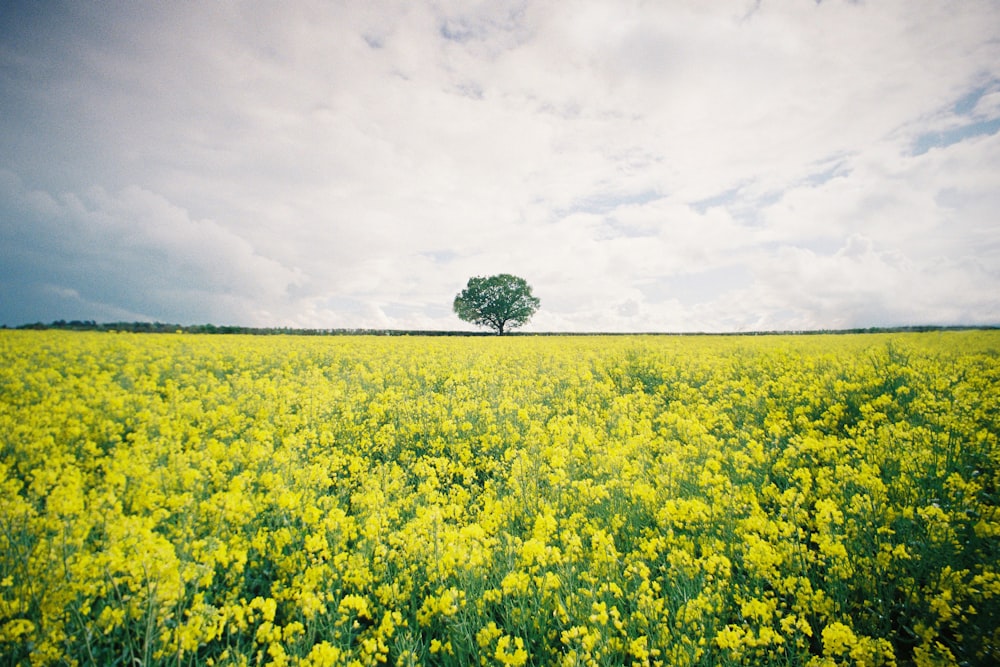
(144, 326)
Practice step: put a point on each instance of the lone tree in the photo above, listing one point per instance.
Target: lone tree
(500, 302)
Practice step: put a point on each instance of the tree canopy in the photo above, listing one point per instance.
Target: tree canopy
(501, 302)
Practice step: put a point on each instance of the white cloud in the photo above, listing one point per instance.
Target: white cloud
(133, 249)
(645, 166)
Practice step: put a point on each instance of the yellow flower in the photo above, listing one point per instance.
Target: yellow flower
(838, 640)
(322, 654)
(516, 657)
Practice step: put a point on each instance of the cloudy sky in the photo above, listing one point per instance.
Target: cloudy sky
(677, 165)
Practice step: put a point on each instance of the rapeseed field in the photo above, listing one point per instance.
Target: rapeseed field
(231, 500)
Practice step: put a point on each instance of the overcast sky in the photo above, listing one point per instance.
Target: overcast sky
(645, 166)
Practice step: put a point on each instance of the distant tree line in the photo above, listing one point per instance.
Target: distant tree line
(162, 327)
(165, 327)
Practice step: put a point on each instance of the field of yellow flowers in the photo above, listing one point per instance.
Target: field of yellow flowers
(235, 500)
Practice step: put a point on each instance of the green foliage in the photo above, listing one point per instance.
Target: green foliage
(500, 302)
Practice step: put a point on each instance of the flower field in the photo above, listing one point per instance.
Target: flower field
(236, 500)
